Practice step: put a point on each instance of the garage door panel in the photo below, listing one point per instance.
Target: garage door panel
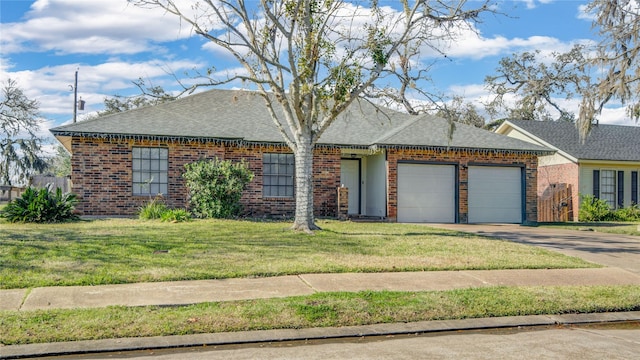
(426, 193)
(495, 194)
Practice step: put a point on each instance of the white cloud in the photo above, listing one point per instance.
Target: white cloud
(90, 27)
(52, 85)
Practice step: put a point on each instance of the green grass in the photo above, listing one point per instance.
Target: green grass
(319, 310)
(625, 228)
(126, 250)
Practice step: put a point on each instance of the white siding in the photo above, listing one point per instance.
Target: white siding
(375, 185)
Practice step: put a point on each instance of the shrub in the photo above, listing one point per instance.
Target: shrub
(631, 213)
(215, 187)
(41, 206)
(152, 210)
(176, 215)
(594, 209)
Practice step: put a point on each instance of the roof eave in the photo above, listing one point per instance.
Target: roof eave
(507, 123)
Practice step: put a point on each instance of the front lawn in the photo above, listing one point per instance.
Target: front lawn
(116, 251)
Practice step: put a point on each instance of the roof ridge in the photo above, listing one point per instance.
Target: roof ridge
(397, 129)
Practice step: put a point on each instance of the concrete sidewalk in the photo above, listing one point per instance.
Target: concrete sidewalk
(190, 292)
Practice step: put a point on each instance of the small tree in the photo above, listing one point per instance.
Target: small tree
(216, 186)
(20, 154)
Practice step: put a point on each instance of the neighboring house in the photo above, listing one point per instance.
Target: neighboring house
(396, 166)
(605, 164)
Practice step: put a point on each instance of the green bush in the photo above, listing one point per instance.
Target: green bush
(176, 215)
(594, 209)
(152, 210)
(41, 206)
(215, 187)
(631, 213)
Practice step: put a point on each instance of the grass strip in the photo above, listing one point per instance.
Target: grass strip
(116, 251)
(318, 310)
(623, 228)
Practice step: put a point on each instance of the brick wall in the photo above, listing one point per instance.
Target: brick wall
(102, 176)
(463, 159)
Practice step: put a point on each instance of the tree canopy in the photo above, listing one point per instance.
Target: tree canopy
(20, 154)
(149, 96)
(533, 86)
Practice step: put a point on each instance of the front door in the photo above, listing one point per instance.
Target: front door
(350, 178)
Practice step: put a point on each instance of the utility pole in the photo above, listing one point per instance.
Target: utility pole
(75, 98)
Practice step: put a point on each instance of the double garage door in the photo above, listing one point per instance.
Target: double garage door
(427, 193)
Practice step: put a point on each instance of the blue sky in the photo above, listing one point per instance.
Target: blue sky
(112, 43)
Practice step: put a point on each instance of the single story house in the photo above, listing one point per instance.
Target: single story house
(396, 166)
(605, 164)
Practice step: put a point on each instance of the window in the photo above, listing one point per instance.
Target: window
(277, 177)
(608, 187)
(150, 171)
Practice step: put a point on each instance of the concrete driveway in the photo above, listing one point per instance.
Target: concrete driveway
(613, 250)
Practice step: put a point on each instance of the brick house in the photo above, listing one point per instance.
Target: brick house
(395, 166)
(605, 164)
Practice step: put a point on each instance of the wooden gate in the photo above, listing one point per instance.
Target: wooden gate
(556, 204)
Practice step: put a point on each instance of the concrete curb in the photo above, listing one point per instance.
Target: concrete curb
(249, 337)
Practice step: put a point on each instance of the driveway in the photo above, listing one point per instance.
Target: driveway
(613, 250)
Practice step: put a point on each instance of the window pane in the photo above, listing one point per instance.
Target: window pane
(150, 170)
(608, 187)
(277, 172)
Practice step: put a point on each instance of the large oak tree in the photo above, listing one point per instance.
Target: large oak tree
(311, 59)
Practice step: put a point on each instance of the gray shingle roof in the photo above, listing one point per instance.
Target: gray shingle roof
(241, 115)
(605, 142)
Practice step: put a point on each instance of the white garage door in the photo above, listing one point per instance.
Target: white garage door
(495, 194)
(426, 193)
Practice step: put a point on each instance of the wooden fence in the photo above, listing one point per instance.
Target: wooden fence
(556, 204)
(40, 181)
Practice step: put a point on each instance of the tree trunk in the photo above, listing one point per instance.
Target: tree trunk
(304, 220)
